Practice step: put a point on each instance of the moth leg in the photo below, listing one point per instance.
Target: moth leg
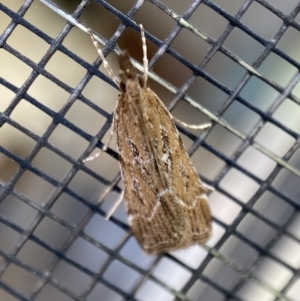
(145, 59)
(207, 188)
(105, 147)
(105, 62)
(116, 205)
(202, 127)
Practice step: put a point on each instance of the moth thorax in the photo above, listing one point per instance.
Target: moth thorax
(133, 89)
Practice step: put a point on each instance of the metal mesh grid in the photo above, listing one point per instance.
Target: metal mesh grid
(55, 244)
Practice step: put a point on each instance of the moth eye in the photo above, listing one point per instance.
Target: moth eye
(123, 87)
(142, 81)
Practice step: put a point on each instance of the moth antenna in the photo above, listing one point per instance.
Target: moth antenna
(105, 62)
(145, 59)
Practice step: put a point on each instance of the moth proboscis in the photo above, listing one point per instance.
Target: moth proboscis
(166, 201)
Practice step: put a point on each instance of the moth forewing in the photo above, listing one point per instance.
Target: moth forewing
(166, 201)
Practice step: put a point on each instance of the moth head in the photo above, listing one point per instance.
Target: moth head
(128, 72)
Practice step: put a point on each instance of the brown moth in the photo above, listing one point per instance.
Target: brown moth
(166, 201)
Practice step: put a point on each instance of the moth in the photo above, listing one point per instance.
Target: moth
(166, 201)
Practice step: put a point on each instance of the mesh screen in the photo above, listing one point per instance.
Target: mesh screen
(234, 63)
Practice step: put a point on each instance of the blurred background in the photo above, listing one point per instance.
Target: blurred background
(235, 63)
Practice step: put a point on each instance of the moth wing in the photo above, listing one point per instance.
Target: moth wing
(166, 203)
(189, 192)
